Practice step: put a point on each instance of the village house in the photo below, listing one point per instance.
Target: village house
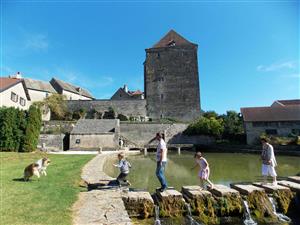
(70, 91)
(38, 90)
(282, 118)
(13, 93)
(125, 94)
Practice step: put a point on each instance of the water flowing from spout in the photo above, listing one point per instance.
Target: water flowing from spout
(280, 216)
(248, 220)
(157, 220)
(189, 215)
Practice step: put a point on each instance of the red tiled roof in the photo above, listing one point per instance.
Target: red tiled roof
(268, 114)
(137, 92)
(172, 37)
(6, 82)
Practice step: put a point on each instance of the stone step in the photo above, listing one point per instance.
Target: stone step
(194, 192)
(171, 203)
(293, 186)
(295, 179)
(246, 189)
(138, 204)
(220, 190)
(270, 188)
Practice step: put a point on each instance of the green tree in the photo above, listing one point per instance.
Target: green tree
(233, 126)
(7, 126)
(57, 105)
(210, 114)
(205, 126)
(32, 131)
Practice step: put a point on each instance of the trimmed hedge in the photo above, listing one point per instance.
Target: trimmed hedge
(19, 130)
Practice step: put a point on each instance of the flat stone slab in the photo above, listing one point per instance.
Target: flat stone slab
(246, 189)
(220, 190)
(169, 193)
(293, 186)
(270, 188)
(194, 191)
(295, 179)
(100, 207)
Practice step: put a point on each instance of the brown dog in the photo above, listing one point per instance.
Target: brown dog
(31, 170)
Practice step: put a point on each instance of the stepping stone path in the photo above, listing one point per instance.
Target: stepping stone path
(99, 206)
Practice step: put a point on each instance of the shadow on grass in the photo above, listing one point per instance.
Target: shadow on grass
(22, 180)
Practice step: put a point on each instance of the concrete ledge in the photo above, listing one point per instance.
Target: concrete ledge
(269, 188)
(194, 191)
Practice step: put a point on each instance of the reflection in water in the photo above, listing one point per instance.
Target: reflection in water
(225, 168)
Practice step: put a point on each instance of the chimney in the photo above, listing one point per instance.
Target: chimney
(125, 88)
(18, 75)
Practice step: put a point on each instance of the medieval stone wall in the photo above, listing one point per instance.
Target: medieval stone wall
(125, 107)
(172, 82)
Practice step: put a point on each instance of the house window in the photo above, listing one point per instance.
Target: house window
(296, 131)
(14, 97)
(77, 141)
(22, 101)
(271, 131)
(47, 94)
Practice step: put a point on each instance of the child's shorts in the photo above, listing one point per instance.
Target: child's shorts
(268, 170)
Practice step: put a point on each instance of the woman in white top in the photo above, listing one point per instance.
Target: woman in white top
(203, 173)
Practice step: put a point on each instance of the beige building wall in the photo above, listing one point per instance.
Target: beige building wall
(73, 96)
(92, 141)
(37, 95)
(5, 97)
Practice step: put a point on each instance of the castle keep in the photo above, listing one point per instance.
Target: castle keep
(171, 85)
(171, 79)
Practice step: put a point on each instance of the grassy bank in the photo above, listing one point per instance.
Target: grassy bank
(47, 201)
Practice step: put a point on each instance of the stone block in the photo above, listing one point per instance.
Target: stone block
(246, 189)
(138, 204)
(295, 179)
(220, 190)
(171, 203)
(292, 185)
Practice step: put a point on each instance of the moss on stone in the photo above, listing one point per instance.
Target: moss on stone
(261, 207)
(171, 207)
(283, 199)
(230, 205)
(203, 207)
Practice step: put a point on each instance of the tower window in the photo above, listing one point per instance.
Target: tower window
(158, 55)
(161, 96)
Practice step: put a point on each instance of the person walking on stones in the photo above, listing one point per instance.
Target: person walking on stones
(161, 161)
(204, 170)
(268, 161)
(124, 166)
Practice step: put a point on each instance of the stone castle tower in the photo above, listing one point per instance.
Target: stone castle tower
(171, 80)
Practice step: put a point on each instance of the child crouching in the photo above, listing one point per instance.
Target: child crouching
(124, 166)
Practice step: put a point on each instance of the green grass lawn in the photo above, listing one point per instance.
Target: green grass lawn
(47, 201)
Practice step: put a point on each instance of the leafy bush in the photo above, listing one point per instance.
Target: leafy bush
(205, 126)
(19, 129)
(122, 117)
(33, 128)
(279, 140)
(110, 114)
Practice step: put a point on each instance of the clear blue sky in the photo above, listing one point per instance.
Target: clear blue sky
(248, 50)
